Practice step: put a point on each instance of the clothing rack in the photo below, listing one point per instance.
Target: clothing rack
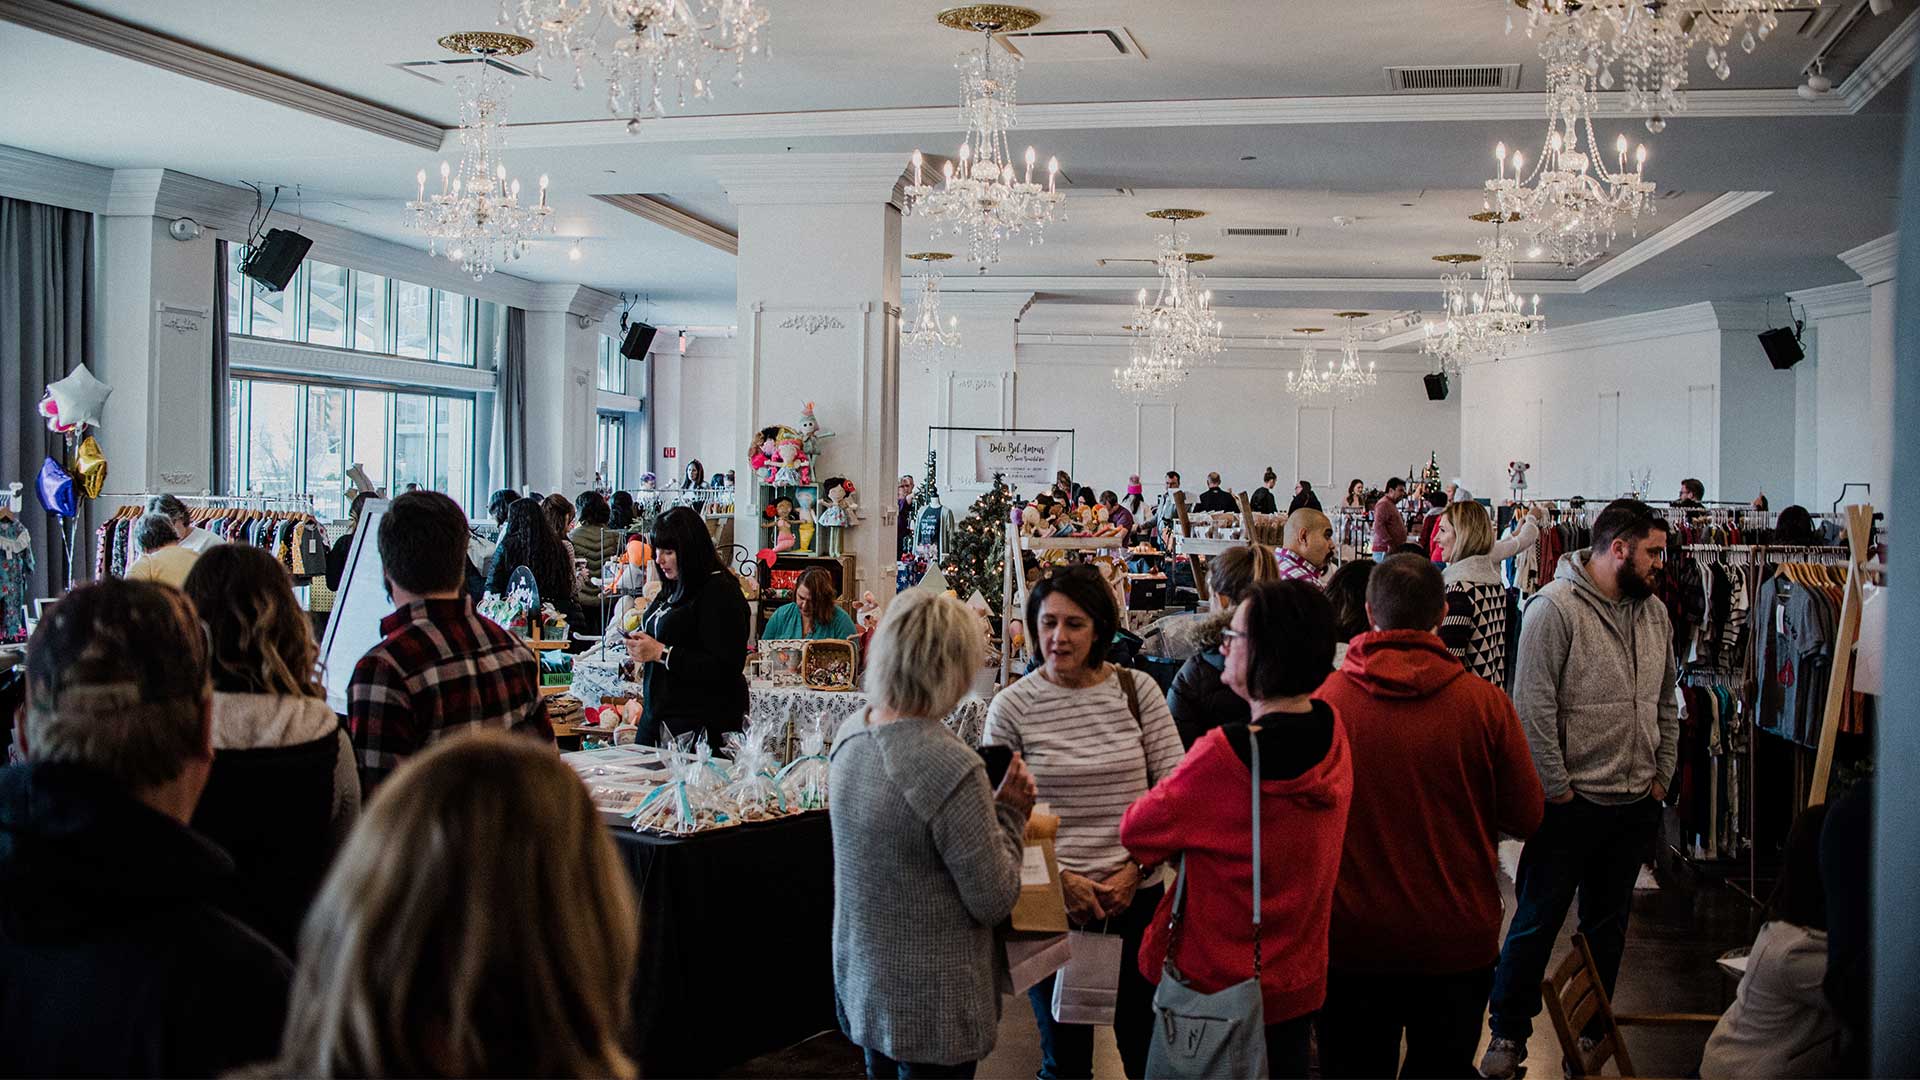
(298, 539)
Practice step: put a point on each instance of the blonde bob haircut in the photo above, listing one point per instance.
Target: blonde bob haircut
(924, 656)
(477, 923)
(1472, 530)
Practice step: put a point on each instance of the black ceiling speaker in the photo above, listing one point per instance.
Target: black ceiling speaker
(639, 337)
(275, 260)
(1783, 346)
(1436, 386)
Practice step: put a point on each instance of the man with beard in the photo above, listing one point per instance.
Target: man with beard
(1594, 690)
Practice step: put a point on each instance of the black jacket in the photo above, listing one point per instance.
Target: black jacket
(115, 958)
(1306, 499)
(704, 687)
(557, 591)
(1200, 701)
(1215, 500)
(1261, 501)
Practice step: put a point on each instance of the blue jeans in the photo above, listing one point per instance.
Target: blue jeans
(1584, 848)
(882, 1067)
(1066, 1050)
(1378, 556)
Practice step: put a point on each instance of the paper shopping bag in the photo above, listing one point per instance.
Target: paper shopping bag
(1031, 958)
(1042, 907)
(1085, 990)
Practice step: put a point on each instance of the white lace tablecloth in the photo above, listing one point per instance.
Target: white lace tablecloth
(793, 706)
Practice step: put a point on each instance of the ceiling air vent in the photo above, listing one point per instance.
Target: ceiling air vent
(1279, 231)
(1092, 43)
(1466, 78)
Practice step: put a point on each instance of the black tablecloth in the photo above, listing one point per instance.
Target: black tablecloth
(736, 942)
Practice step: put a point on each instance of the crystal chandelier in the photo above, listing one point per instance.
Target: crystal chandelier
(1351, 380)
(1481, 319)
(1649, 42)
(1176, 326)
(659, 44)
(1571, 203)
(1146, 375)
(983, 195)
(925, 337)
(477, 218)
(1310, 383)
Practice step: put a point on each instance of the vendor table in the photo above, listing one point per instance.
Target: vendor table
(736, 942)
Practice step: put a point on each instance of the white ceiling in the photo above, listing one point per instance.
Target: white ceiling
(1833, 178)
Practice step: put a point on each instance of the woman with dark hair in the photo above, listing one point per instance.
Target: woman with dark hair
(1262, 500)
(813, 615)
(1356, 495)
(693, 639)
(529, 541)
(620, 511)
(1279, 649)
(696, 474)
(1780, 1022)
(1096, 737)
(1303, 497)
(1199, 700)
(500, 503)
(1347, 592)
(595, 542)
(1795, 526)
(284, 789)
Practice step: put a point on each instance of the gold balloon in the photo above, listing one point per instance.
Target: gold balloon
(90, 466)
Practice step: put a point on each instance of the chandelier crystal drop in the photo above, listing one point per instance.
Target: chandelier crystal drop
(658, 48)
(1571, 204)
(984, 194)
(1310, 382)
(924, 336)
(478, 217)
(1351, 380)
(1176, 325)
(1643, 47)
(1146, 375)
(1480, 319)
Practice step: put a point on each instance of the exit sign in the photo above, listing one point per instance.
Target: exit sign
(670, 452)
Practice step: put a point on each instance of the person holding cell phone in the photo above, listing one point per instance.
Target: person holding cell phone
(693, 636)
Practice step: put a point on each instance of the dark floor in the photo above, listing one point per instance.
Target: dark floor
(1677, 934)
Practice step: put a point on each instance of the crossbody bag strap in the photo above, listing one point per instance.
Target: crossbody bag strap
(1133, 697)
(1253, 742)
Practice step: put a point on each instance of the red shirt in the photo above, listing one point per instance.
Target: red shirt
(1389, 527)
(1441, 768)
(1203, 811)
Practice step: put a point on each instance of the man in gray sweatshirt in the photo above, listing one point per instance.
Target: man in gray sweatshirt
(1594, 689)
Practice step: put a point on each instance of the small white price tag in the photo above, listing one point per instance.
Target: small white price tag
(1033, 867)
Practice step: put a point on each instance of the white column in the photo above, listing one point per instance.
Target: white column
(1833, 386)
(818, 285)
(562, 360)
(973, 386)
(1875, 262)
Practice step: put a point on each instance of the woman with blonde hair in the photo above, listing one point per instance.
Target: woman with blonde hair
(926, 855)
(284, 789)
(478, 923)
(1477, 607)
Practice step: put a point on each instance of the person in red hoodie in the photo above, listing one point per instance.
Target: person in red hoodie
(1278, 649)
(1441, 769)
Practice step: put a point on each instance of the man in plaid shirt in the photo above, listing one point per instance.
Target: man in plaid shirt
(1308, 544)
(440, 666)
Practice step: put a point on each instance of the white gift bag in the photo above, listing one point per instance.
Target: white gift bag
(1088, 986)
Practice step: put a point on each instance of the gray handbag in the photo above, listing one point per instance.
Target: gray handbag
(1224, 1034)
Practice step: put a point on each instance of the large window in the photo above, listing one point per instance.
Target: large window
(290, 437)
(613, 366)
(352, 309)
(610, 449)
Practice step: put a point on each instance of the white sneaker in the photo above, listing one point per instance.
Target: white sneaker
(1646, 881)
(1503, 1058)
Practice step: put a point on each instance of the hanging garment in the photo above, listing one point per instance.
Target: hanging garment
(16, 576)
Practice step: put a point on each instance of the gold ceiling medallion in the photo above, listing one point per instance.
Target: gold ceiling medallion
(1489, 217)
(1309, 329)
(1199, 256)
(486, 43)
(1351, 314)
(991, 18)
(1176, 214)
(1457, 258)
(931, 256)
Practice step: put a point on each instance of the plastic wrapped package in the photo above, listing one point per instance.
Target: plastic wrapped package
(755, 792)
(804, 781)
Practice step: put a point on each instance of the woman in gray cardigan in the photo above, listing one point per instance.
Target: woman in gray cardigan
(926, 857)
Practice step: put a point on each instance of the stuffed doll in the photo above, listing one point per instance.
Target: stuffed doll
(805, 526)
(809, 431)
(791, 467)
(783, 517)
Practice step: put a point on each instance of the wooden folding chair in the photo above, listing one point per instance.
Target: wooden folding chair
(1575, 997)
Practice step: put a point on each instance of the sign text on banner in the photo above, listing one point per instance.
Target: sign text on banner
(1022, 459)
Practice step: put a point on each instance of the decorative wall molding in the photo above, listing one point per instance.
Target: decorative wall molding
(618, 403)
(571, 298)
(1834, 301)
(652, 209)
(1715, 212)
(1876, 260)
(264, 356)
(811, 324)
(178, 479)
(808, 179)
(1882, 66)
(168, 54)
(1688, 319)
(53, 181)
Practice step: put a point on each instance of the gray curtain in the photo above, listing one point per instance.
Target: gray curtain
(222, 370)
(510, 404)
(46, 302)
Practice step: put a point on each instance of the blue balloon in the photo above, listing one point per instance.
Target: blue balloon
(55, 487)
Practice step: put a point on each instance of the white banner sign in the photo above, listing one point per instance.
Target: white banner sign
(1021, 459)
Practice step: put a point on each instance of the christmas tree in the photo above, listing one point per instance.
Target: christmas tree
(976, 559)
(926, 492)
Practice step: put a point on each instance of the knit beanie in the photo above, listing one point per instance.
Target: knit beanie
(1133, 485)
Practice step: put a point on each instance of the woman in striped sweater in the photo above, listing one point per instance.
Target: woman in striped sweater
(1096, 738)
(1477, 609)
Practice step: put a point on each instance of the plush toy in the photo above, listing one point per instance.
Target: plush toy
(784, 517)
(805, 526)
(866, 613)
(793, 465)
(763, 456)
(809, 431)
